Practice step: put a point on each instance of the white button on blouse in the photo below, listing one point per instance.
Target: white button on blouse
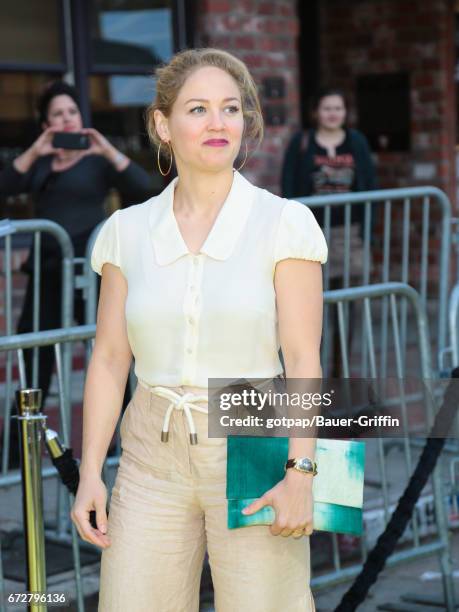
(212, 315)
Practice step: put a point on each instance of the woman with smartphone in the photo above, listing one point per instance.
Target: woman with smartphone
(68, 186)
(200, 282)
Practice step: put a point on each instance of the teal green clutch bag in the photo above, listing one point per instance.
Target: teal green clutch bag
(256, 464)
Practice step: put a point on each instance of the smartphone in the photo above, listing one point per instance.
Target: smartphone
(70, 140)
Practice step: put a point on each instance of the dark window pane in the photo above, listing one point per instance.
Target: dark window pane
(384, 111)
(18, 119)
(131, 33)
(37, 40)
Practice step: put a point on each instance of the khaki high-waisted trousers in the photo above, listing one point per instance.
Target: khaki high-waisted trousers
(168, 504)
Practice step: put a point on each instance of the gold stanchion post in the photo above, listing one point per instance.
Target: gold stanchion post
(31, 422)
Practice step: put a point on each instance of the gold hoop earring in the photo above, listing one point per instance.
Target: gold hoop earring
(159, 163)
(245, 158)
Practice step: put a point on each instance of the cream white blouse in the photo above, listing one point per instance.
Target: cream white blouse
(211, 315)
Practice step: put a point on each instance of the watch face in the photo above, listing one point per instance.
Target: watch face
(305, 464)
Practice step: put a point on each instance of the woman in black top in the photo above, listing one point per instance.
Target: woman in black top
(326, 160)
(68, 187)
(329, 158)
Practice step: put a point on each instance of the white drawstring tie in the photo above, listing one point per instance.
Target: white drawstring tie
(184, 402)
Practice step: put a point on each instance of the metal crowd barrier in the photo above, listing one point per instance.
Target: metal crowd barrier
(453, 321)
(415, 241)
(454, 468)
(419, 541)
(62, 339)
(453, 351)
(8, 229)
(377, 509)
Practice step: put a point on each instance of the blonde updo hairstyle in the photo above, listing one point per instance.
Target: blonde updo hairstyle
(171, 77)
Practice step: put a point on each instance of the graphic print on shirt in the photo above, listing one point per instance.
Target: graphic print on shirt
(333, 174)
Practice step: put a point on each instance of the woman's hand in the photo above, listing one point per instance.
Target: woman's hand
(91, 495)
(42, 146)
(292, 501)
(44, 143)
(99, 145)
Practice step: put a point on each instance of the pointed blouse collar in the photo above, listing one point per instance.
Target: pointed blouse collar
(167, 240)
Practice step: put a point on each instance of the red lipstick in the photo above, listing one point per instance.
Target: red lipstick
(216, 142)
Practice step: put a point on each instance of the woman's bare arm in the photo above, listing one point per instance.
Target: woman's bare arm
(298, 285)
(299, 295)
(103, 395)
(107, 372)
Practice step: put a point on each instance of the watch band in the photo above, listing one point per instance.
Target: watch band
(302, 464)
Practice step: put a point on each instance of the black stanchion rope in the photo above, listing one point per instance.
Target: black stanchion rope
(387, 541)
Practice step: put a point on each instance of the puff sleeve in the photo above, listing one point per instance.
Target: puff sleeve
(106, 247)
(299, 236)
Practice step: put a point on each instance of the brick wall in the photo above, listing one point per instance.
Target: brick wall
(356, 37)
(384, 36)
(264, 35)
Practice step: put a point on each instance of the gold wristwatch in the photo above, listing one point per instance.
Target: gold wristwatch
(302, 464)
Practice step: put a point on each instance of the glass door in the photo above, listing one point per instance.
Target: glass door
(33, 52)
(108, 49)
(128, 40)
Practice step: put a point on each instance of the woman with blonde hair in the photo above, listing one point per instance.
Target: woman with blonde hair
(206, 280)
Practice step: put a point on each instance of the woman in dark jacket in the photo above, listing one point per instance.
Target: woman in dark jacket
(68, 187)
(326, 160)
(329, 158)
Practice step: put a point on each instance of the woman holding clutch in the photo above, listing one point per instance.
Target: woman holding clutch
(199, 282)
